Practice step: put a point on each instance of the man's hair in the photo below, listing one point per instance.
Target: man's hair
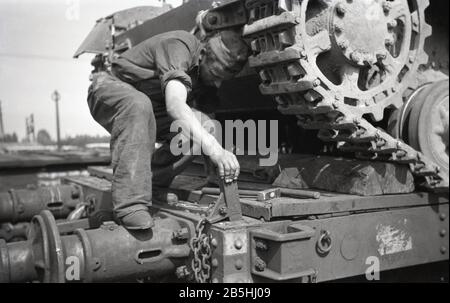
(229, 49)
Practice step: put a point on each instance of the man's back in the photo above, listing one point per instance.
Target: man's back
(159, 57)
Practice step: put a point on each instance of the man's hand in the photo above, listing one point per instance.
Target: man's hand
(227, 164)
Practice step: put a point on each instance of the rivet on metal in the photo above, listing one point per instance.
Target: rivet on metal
(238, 264)
(340, 9)
(344, 44)
(238, 244)
(214, 263)
(223, 211)
(387, 6)
(392, 24)
(389, 41)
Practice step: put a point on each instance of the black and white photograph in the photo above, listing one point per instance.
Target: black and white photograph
(201, 142)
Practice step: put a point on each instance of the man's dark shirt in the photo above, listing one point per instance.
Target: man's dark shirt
(150, 65)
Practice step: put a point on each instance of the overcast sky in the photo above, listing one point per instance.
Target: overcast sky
(37, 41)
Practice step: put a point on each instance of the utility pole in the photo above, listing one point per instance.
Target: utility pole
(32, 133)
(2, 130)
(56, 97)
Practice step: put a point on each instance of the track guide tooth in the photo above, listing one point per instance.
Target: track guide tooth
(274, 57)
(288, 87)
(286, 19)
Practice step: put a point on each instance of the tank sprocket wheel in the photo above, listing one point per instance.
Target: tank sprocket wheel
(331, 74)
(375, 48)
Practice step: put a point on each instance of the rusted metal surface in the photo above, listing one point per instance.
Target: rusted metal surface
(396, 237)
(14, 232)
(22, 204)
(44, 256)
(329, 248)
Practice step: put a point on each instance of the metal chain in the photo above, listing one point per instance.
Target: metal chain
(201, 246)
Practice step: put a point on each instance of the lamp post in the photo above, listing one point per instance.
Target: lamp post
(56, 97)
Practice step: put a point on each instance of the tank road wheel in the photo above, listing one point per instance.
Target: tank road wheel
(428, 124)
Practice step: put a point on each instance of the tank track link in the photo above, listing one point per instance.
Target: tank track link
(285, 54)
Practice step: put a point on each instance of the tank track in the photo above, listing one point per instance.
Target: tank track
(285, 53)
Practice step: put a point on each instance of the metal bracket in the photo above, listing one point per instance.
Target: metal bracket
(228, 205)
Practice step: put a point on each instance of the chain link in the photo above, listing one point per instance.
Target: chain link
(201, 246)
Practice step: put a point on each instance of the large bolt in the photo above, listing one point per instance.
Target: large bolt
(214, 242)
(392, 24)
(344, 44)
(75, 193)
(443, 232)
(338, 28)
(340, 9)
(389, 41)
(214, 262)
(182, 272)
(387, 6)
(261, 245)
(442, 216)
(223, 211)
(238, 244)
(443, 249)
(181, 234)
(238, 264)
(260, 265)
(303, 54)
(356, 57)
(212, 19)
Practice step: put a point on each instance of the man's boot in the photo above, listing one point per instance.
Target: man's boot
(139, 219)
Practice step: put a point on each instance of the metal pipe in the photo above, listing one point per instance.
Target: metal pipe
(14, 232)
(109, 253)
(22, 204)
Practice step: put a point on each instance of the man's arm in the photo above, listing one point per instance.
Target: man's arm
(176, 95)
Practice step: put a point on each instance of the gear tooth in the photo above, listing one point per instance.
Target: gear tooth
(427, 30)
(425, 3)
(423, 58)
(397, 102)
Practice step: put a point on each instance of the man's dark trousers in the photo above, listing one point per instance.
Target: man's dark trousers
(128, 115)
